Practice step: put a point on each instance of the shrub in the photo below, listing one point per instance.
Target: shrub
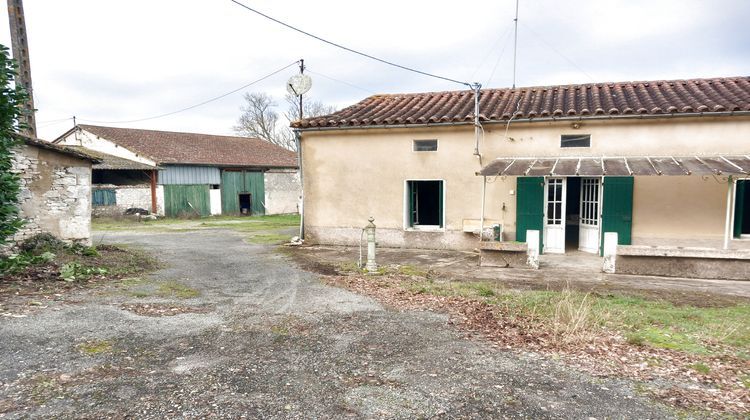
(12, 99)
(41, 243)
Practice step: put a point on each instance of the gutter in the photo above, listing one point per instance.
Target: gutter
(533, 119)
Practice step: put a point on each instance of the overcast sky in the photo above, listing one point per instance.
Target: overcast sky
(122, 60)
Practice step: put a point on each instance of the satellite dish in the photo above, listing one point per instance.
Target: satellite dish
(299, 84)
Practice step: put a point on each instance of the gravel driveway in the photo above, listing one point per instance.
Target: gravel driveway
(263, 338)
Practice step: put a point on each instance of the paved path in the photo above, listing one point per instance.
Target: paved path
(273, 342)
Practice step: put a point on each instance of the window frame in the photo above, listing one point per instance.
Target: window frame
(407, 208)
(414, 148)
(591, 141)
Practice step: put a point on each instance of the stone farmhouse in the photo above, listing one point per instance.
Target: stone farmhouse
(55, 193)
(663, 164)
(172, 173)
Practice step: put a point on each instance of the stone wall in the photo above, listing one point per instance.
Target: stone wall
(130, 196)
(283, 191)
(55, 194)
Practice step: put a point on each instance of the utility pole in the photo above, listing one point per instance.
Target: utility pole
(515, 44)
(301, 71)
(20, 47)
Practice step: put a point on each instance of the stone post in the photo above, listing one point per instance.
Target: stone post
(610, 252)
(371, 266)
(532, 253)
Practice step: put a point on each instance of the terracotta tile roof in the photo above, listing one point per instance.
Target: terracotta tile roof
(654, 98)
(66, 150)
(166, 147)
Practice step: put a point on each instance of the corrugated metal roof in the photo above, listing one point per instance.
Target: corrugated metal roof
(619, 166)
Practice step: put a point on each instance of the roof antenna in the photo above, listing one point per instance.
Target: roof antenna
(515, 44)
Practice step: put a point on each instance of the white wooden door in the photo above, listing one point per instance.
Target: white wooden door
(588, 237)
(554, 217)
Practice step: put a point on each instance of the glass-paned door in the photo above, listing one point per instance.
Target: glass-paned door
(554, 217)
(588, 236)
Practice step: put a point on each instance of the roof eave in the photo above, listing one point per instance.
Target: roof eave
(534, 119)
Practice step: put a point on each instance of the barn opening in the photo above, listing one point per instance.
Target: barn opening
(246, 204)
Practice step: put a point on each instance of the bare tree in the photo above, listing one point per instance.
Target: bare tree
(310, 108)
(260, 119)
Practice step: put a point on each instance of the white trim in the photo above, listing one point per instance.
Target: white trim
(423, 228)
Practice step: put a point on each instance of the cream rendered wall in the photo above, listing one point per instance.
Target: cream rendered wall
(350, 175)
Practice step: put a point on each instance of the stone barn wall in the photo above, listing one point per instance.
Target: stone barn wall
(283, 191)
(55, 194)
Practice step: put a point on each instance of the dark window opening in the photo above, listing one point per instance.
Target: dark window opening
(742, 209)
(575, 140)
(246, 204)
(214, 186)
(425, 145)
(425, 203)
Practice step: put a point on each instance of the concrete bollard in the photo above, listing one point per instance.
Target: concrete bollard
(532, 253)
(610, 252)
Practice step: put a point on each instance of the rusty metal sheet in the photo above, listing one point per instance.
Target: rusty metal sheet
(542, 167)
(641, 166)
(695, 166)
(741, 161)
(566, 166)
(720, 164)
(668, 166)
(519, 167)
(496, 167)
(591, 167)
(615, 167)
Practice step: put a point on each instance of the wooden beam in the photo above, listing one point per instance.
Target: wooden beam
(154, 178)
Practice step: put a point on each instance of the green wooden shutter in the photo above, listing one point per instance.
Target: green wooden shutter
(441, 191)
(412, 187)
(529, 207)
(255, 185)
(739, 207)
(617, 209)
(103, 198)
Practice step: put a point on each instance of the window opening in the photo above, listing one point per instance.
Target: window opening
(425, 203)
(425, 145)
(575, 140)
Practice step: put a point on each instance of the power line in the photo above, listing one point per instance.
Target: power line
(499, 57)
(196, 105)
(558, 52)
(390, 63)
(341, 81)
(489, 51)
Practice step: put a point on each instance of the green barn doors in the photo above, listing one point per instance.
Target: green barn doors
(617, 208)
(529, 207)
(242, 189)
(184, 200)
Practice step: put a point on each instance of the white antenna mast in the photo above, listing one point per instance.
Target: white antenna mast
(515, 45)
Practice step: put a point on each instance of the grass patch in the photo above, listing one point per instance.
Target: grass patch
(176, 289)
(95, 347)
(701, 368)
(656, 323)
(411, 270)
(263, 230)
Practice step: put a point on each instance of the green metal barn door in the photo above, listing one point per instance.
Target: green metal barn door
(186, 200)
(232, 184)
(617, 208)
(255, 185)
(530, 207)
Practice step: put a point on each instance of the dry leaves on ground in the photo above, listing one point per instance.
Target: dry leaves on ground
(605, 353)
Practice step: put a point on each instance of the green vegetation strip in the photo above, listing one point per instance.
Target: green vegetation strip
(657, 323)
(256, 229)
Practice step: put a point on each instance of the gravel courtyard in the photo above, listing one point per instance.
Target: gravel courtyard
(228, 329)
